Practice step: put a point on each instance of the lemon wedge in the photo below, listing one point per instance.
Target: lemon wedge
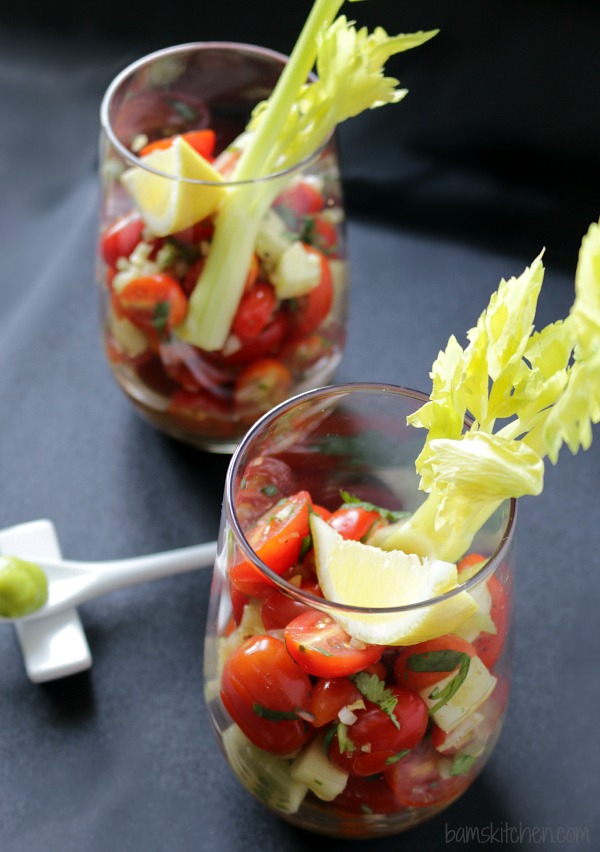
(357, 574)
(166, 204)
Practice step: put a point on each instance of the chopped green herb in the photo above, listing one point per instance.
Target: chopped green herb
(269, 490)
(387, 514)
(184, 110)
(396, 757)
(462, 763)
(442, 661)
(329, 735)
(274, 715)
(375, 690)
(305, 547)
(365, 808)
(161, 316)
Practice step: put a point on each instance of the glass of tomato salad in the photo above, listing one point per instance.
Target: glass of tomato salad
(219, 297)
(336, 734)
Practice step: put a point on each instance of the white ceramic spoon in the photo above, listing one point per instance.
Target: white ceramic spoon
(72, 583)
(52, 640)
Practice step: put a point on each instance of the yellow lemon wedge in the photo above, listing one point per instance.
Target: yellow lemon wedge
(171, 204)
(360, 575)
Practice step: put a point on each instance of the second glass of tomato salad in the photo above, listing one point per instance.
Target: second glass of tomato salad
(345, 719)
(219, 298)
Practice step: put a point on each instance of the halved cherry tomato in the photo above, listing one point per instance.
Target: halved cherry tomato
(121, 237)
(302, 199)
(262, 690)
(488, 646)
(322, 648)
(266, 343)
(353, 522)
(366, 796)
(202, 141)
(322, 234)
(277, 610)
(404, 676)
(374, 741)
(266, 480)
(255, 311)
(262, 384)
(276, 539)
(308, 312)
(328, 697)
(415, 780)
(155, 303)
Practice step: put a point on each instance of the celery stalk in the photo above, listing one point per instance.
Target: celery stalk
(544, 386)
(296, 120)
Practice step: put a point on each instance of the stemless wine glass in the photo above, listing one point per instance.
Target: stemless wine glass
(288, 715)
(287, 333)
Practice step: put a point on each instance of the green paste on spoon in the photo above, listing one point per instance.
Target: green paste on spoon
(23, 587)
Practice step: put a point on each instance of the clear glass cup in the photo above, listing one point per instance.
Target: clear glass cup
(285, 337)
(273, 717)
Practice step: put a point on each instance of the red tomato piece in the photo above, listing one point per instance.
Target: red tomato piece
(366, 796)
(308, 312)
(255, 311)
(276, 539)
(302, 199)
(415, 780)
(262, 384)
(329, 695)
(375, 741)
(202, 141)
(120, 238)
(277, 610)
(202, 410)
(322, 234)
(423, 680)
(322, 648)
(266, 480)
(353, 522)
(155, 303)
(469, 560)
(266, 343)
(197, 233)
(262, 690)
(489, 646)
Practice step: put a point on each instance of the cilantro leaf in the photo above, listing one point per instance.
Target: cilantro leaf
(274, 715)
(375, 691)
(442, 661)
(388, 514)
(161, 316)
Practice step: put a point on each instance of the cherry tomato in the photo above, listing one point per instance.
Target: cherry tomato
(322, 512)
(262, 690)
(276, 539)
(322, 234)
(308, 312)
(121, 237)
(203, 411)
(488, 646)
(155, 303)
(302, 199)
(266, 343)
(328, 697)
(469, 560)
(366, 796)
(196, 233)
(353, 522)
(375, 742)
(322, 648)
(255, 311)
(277, 610)
(415, 780)
(423, 680)
(266, 480)
(262, 384)
(202, 141)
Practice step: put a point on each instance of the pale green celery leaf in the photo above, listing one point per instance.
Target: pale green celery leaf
(586, 308)
(446, 410)
(476, 380)
(481, 467)
(508, 319)
(570, 419)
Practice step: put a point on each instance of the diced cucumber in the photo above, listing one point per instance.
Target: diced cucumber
(265, 776)
(272, 240)
(297, 272)
(313, 769)
(481, 620)
(476, 687)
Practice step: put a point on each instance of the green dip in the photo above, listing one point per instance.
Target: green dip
(23, 587)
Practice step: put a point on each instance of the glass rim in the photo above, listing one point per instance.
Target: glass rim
(187, 47)
(314, 601)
